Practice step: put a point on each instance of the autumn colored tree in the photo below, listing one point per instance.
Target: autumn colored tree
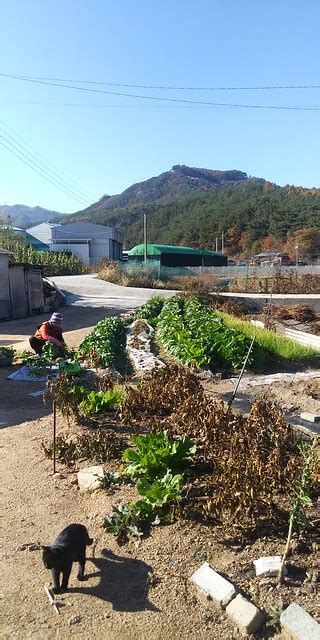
(308, 243)
(270, 243)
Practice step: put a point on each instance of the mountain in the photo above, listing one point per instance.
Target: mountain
(23, 216)
(191, 206)
(180, 182)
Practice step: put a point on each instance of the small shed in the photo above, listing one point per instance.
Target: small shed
(172, 256)
(26, 289)
(4, 283)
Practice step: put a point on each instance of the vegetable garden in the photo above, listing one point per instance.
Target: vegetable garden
(185, 453)
(171, 452)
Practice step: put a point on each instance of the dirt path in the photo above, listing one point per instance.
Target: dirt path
(118, 599)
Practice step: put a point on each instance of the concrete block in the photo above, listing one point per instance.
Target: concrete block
(267, 566)
(88, 478)
(311, 417)
(214, 585)
(245, 615)
(298, 624)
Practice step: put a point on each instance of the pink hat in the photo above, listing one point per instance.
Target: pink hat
(56, 318)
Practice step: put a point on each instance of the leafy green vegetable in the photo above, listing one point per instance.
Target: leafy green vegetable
(106, 343)
(191, 332)
(153, 462)
(150, 310)
(98, 401)
(155, 454)
(7, 352)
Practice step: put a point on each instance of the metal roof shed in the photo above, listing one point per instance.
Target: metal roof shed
(172, 256)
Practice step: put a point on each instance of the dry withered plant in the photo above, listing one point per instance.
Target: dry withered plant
(157, 396)
(298, 312)
(66, 392)
(242, 465)
(98, 446)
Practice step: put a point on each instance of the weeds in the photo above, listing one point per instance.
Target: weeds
(279, 283)
(298, 518)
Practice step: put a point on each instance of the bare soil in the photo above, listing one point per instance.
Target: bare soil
(133, 591)
(290, 394)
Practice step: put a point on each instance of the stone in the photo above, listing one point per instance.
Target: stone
(29, 546)
(267, 566)
(310, 417)
(245, 615)
(213, 585)
(58, 476)
(74, 620)
(88, 478)
(298, 624)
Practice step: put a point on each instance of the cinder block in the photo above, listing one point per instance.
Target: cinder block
(298, 624)
(267, 566)
(245, 615)
(214, 585)
(311, 417)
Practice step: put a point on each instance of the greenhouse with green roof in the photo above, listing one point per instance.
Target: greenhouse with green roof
(171, 256)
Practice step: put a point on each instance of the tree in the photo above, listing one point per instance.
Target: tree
(308, 243)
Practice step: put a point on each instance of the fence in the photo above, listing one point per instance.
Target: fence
(156, 270)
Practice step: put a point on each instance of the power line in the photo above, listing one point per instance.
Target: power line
(43, 161)
(211, 105)
(39, 165)
(12, 149)
(162, 99)
(168, 87)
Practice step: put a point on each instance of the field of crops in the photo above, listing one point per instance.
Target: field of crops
(183, 454)
(170, 453)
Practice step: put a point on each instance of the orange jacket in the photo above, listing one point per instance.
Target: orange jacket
(49, 333)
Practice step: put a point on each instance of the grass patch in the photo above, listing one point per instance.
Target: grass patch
(274, 344)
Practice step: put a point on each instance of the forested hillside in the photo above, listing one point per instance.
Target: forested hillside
(19, 215)
(254, 215)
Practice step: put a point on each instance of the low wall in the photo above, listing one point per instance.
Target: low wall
(256, 301)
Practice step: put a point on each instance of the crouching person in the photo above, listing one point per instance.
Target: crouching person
(49, 331)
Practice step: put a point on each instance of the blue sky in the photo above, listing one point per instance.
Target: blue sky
(173, 42)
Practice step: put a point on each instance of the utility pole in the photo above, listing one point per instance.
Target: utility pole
(297, 254)
(216, 245)
(145, 236)
(222, 242)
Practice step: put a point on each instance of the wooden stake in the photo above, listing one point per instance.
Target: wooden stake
(51, 600)
(54, 434)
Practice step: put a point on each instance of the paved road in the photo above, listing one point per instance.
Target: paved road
(88, 301)
(88, 291)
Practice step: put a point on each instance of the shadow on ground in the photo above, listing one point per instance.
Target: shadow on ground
(16, 405)
(75, 317)
(124, 582)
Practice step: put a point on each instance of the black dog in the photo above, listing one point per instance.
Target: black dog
(68, 547)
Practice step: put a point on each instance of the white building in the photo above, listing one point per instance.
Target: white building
(43, 231)
(91, 242)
